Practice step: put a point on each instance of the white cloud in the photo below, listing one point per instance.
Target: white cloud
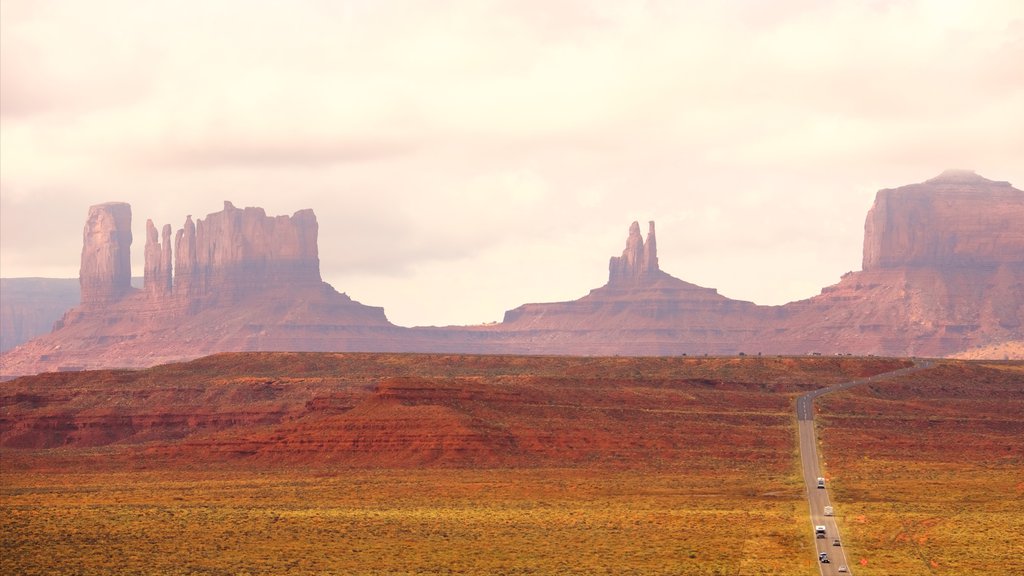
(505, 144)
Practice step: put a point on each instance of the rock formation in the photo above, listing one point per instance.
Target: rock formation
(240, 281)
(158, 273)
(640, 311)
(639, 261)
(186, 284)
(943, 273)
(238, 252)
(955, 219)
(106, 272)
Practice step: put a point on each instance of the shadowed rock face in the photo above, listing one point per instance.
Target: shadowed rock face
(106, 272)
(955, 219)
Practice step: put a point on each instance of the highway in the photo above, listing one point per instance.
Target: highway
(818, 498)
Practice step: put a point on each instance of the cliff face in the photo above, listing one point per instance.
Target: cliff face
(232, 254)
(237, 252)
(106, 272)
(955, 219)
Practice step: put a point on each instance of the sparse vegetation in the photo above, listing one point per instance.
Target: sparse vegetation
(688, 466)
(927, 470)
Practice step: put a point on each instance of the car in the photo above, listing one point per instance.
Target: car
(835, 542)
(823, 557)
(843, 569)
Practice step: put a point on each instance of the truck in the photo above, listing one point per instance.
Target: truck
(819, 531)
(828, 511)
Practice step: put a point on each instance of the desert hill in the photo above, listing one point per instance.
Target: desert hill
(412, 410)
(943, 273)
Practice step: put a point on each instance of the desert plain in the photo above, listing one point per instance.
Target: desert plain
(309, 463)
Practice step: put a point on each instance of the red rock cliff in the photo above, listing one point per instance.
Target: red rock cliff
(106, 272)
(955, 219)
(237, 252)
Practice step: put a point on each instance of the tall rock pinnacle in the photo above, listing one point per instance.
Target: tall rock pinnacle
(106, 274)
(157, 271)
(639, 261)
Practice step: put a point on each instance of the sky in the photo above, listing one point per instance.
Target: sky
(466, 157)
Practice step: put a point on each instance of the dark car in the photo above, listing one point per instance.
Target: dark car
(823, 557)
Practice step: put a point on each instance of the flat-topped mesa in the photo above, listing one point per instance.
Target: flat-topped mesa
(241, 251)
(106, 274)
(955, 219)
(639, 261)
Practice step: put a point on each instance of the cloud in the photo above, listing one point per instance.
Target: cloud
(514, 139)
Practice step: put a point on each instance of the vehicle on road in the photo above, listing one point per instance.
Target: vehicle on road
(828, 511)
(823, 557)
(821, 482)
(819, 531)
(835, 542)
(843, 569)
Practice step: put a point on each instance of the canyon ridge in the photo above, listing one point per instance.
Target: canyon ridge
(942, 275)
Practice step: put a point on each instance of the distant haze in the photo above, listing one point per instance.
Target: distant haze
(464, 158)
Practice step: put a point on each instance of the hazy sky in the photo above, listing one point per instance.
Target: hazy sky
(466, 157)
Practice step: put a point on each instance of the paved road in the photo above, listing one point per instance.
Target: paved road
(817, 498)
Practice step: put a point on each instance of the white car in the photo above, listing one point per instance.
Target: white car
(843, 569)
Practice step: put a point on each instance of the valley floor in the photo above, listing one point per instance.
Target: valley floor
(925, 470)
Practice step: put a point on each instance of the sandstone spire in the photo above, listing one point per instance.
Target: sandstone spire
(185, 260)
(166, 260)
(157, 270)
(639, 261)
(106, 274)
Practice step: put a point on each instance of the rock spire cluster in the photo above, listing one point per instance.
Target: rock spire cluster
(106, 272)
(639, 261)
(223, 258)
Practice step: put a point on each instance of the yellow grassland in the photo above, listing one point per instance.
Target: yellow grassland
(362, 522)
